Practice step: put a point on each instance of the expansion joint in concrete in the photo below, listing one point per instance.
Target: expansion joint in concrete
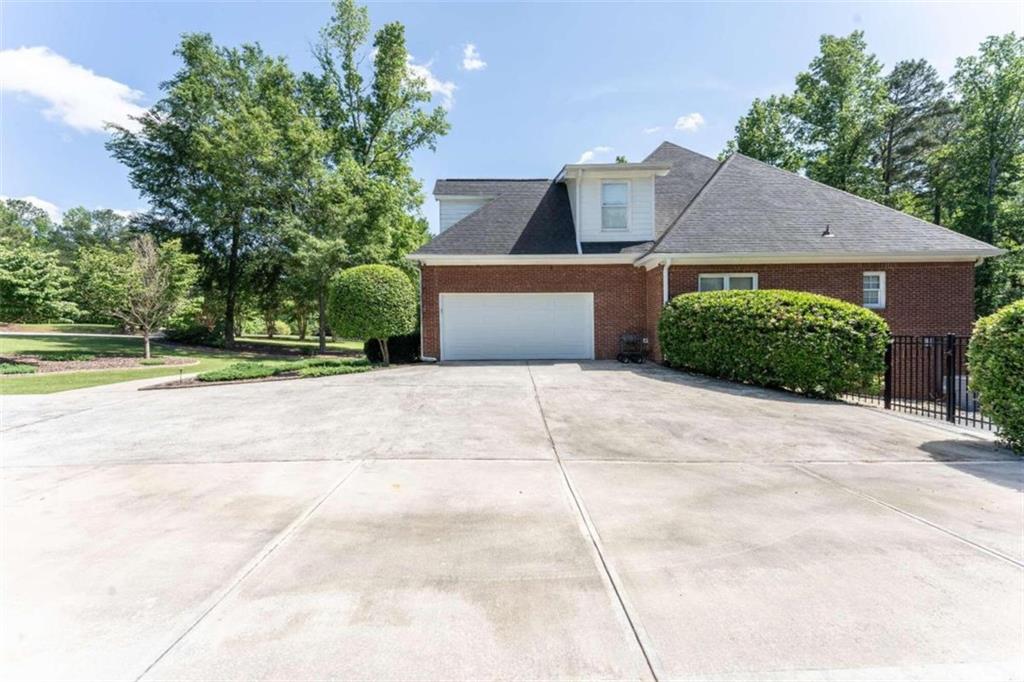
(590, 530)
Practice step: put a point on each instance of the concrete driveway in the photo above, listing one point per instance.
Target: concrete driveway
(537, 521)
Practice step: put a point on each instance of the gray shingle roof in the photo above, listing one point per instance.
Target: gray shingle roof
(672, 192)
(751, 207)
(526, 217)
(484, 187)
(740, 206)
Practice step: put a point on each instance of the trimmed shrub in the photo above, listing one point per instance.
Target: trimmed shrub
(401, 349)
(15, 368)
(239, 371)
(372, 302)
(995, 358)
(331, 370)
(780, 339)
(197, 334)
(335, 362)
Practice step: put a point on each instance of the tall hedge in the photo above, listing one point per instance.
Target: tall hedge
(373, 302)
(782, 339)
(995, 358)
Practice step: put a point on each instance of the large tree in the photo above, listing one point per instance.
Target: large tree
(986, 158)
(217, 156)
(840, 103)
(912, 129)
(375, 118)
(34, 285)
(766, 133)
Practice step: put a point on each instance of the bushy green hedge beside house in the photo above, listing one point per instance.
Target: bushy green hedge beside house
(781, 339)
(996, 361)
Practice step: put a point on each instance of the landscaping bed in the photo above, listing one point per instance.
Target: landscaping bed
(40, 363)
(255, 371)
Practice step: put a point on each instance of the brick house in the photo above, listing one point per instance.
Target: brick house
(559, 269)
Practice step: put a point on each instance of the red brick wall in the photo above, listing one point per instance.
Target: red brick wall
(920, 298)
(618, 295)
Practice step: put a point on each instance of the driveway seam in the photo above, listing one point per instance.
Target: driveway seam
(591, 531)
(914, 517)
(218, 598)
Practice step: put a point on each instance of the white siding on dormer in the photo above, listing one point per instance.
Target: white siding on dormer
(454, 210)
(641, 210)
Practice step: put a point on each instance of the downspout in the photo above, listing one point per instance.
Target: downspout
(664, 281)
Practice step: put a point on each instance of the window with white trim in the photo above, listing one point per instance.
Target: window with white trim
(874, 289)
(722, 281)
(614, 205)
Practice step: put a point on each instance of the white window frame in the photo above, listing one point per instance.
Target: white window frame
(881, 289)
(629, 203)
(727, 276)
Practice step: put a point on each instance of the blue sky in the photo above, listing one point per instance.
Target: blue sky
(559, 79)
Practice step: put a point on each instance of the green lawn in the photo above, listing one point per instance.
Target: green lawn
(21, 384)
(310, 343)
(63, 328)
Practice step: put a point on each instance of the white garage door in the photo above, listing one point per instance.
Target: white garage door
(517, 326)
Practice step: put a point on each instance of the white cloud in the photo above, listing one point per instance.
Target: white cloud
(689, 123)
(591, 154)
(446, 89)
(471, 60)
(75, 95)
(47, 207)
(652, 130)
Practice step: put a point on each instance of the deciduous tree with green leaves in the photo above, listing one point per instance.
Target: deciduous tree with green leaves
(34, 285)
(142, 285)
(217, 157)
(765, 133)
(840, 102)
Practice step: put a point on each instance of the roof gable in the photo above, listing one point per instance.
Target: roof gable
(524, 217)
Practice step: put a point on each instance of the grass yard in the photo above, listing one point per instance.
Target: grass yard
(309, 344)
(62, 328)
(210, 359)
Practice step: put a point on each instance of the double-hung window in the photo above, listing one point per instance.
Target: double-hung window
(721, 281)
(614, 205)
(874, 289)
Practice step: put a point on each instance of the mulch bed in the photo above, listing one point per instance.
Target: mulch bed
(112, 362)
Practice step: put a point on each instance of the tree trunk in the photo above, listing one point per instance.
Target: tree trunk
(145, 342)
(384, 351)
(300, 322)
(232, 290)
(321, 305)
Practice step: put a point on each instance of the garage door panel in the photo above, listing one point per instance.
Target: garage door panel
(517, 326)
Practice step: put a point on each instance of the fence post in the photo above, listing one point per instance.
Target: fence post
(887, 379)
(951, 377)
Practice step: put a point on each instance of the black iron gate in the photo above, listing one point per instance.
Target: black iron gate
(927, 376)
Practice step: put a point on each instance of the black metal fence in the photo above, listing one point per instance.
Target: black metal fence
(927, 376)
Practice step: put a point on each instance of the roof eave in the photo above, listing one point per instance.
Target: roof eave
(753, 257)
(522, 259)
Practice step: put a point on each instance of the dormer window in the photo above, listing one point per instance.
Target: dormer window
(614, 205)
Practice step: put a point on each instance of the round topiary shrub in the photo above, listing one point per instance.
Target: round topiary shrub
(995, 358)
(781, 339)
(372, 302)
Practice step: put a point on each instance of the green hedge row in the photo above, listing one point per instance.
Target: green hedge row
(995, 358)
(317, 367)
(781, 339)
